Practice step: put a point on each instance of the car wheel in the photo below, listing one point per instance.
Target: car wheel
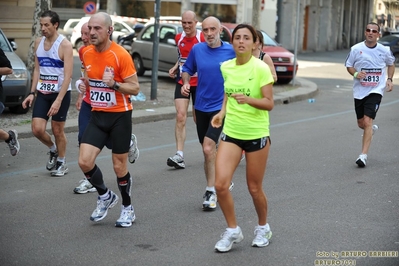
(18, 109)
(79, 44)
(283, 81)
(138, 64)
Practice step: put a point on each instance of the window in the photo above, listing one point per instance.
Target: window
(225, 13)
(148, 35)
(167, 33)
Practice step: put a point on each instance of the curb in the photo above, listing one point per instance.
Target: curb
(306, 90)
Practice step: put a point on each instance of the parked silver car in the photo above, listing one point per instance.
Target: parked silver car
(142, 47)
(16, 86)
(141, 50)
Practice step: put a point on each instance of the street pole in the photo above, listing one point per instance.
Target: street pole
(155, 52)
(255, 13)
(296, 40)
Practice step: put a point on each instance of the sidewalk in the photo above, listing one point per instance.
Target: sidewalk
(306, 90)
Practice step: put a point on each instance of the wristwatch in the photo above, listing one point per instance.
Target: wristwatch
(116, 86)
(389, 79)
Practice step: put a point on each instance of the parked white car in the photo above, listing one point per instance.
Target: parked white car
(120, 28)
(68, 27)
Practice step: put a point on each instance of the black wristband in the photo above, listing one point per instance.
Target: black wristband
(116, 86)
(389, 79)
(33, 93)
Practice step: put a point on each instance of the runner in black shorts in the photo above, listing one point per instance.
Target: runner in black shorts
(111, 82)
(51, 82)
(184, 41)
(372, 66)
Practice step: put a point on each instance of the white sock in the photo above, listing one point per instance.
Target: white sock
(265, 227)
(61, 159)
(180, 153)
(130, 207)
(211, 189)
(53, 148)
(106, 196)
(232, 230)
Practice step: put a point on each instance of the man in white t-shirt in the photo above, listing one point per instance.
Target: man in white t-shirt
(372, 66)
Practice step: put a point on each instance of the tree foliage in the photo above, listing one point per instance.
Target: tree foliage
(132, 8)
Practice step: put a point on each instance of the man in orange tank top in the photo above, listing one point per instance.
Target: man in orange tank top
(112, 78)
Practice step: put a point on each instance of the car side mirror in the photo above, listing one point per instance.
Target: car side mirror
(14, 45)
(171, 41)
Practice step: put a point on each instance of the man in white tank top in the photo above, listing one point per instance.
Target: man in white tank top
(372, 66)
(51, 84)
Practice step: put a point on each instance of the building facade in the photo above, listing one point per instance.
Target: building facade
(324, 25)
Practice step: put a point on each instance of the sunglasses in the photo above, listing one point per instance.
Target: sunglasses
(371, 30)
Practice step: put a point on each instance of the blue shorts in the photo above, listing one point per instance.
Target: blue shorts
(43, 104)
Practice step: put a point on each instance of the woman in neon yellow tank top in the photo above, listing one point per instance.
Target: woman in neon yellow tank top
(248, 86)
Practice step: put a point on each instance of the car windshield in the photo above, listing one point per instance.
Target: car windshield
(4, 43)
(268, 41)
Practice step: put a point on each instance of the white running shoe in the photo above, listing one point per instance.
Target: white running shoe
(209, 203)
(231, 186)
(228, 238)
(242, 156)
(102, 207)
(362, 160)
(60, 169)
(176, 161)
(375, 128)
(127, 217)
(262, 236)
(14, 143)
(134, 151)
(84, 187)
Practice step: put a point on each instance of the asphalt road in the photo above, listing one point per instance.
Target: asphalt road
(321, 205)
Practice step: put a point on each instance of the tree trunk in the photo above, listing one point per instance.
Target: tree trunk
(41, 5)
(255, 13)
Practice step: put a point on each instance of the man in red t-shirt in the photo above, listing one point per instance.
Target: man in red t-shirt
(184, 41)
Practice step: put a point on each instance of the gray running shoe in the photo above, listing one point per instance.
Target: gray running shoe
(176, 161)
(84, 187)
(209, 203)
(126, 219)
(60, 169)
(134, 151)
(102, 207)
(14, 143)
(262, 236)
(52, 160)
(228, 238)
